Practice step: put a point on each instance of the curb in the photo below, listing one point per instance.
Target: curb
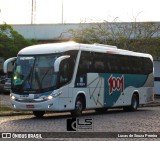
(13, 113)
(156, 104)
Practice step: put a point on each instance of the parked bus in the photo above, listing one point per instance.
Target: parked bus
(75, 77)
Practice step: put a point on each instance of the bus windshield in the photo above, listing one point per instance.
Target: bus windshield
(34, 74)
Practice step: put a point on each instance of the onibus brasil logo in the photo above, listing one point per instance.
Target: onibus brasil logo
(116, 84)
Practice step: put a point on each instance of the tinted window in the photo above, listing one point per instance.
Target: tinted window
(85, 63)
(113, 63)
(66, 71)
(99, 64)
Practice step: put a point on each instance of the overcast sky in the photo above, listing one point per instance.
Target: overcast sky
(75, 11)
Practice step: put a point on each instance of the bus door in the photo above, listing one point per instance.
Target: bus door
(65, 76)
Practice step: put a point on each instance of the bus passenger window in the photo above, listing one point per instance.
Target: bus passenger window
(66, 71)
(63, 73)
(85, 64)
(99, 67)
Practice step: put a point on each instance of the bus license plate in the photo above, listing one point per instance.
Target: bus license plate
(29, 106)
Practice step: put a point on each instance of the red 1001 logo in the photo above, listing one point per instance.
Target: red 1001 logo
(116, 84)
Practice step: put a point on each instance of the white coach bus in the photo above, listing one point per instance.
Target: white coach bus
(74, 77)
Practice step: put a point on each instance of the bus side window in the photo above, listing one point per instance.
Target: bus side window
(112, 65)
(85, 64)
(99, 67)
(64, 76)
(99, 63)
(148, 66)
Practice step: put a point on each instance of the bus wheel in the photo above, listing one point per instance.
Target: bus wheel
(134, 104)
(78, 107)
(38, 114)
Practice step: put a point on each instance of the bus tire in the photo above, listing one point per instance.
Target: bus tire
(38, 114)
(78, 107)
(134, 104)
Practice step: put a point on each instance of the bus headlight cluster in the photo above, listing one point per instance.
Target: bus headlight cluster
(50, 97)
(54, 95)
(12, 97)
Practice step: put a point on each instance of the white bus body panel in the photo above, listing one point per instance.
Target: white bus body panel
(94, 92)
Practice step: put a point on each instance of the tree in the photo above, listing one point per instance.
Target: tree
(11, 41)
(135, 36)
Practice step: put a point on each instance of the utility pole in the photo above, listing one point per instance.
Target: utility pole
(62, 12)
(33, 11)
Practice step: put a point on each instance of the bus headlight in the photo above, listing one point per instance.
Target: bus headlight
(54, 95)
(12, 97)
(50, 97)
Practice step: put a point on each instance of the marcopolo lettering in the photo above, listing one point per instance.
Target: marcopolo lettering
(116, 84)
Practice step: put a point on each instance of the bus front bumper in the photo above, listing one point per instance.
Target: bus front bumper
(49, 105)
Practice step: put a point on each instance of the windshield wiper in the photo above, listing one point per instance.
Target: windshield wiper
(45, 74)
(28, 77)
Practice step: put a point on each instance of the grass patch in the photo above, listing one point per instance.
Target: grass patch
(3, 108)
(7, 111)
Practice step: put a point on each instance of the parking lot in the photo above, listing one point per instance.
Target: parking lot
(146, 119)
(115, 121)
(5, 100)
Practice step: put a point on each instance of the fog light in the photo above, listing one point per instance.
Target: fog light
(14, 106)
(50, 105)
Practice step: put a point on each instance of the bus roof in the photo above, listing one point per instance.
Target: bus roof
(66, 46)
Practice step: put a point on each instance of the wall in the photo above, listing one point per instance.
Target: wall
(53, 31)
(45, 31)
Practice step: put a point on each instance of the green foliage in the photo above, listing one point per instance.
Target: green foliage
(3, 108)
(11, 41)
(140, 37)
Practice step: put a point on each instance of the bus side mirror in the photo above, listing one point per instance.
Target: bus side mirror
(6, 64)
(58, 61)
